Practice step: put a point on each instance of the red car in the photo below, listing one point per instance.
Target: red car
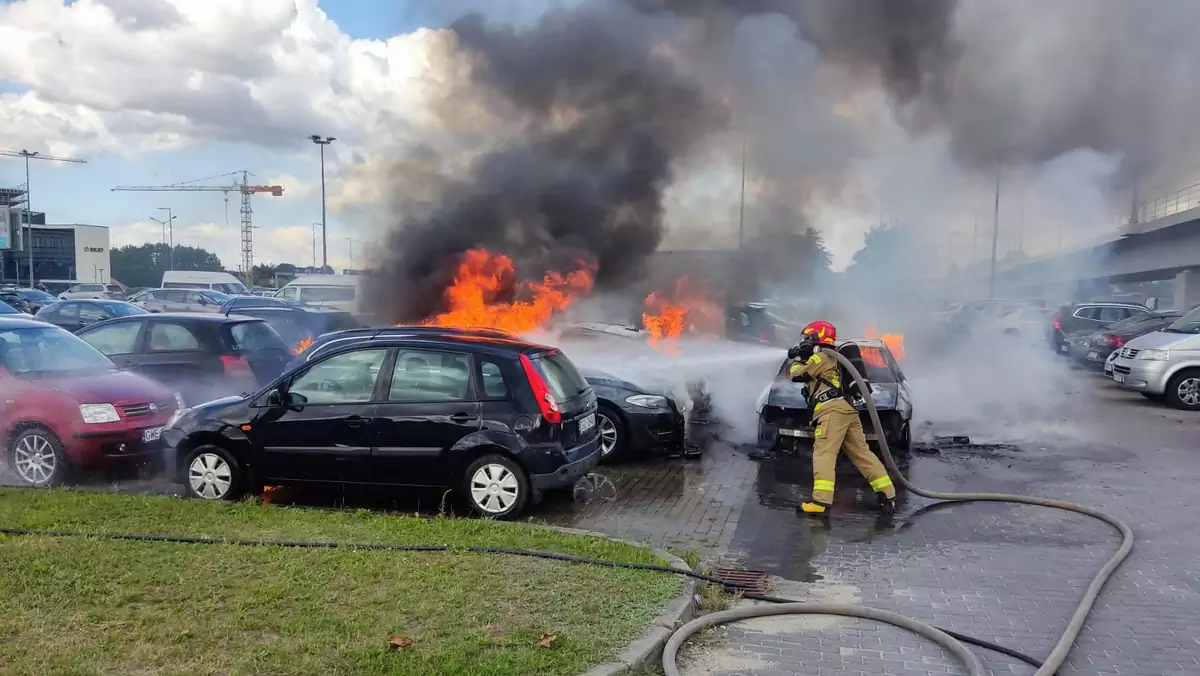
(64, 406)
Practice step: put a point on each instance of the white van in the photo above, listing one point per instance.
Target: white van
(341, 292)
(215, 281)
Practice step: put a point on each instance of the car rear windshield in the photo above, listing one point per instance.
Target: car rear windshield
(123, 309)
(34, 294)
(318, 294)
(256, 336)
(560, 375)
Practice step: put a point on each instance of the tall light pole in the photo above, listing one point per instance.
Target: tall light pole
(28, 209)
(995, 233)
(314, 233)
(742, 202)
(350, 247)
(317, 139)
(168, 223)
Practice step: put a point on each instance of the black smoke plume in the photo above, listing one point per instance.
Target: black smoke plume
(602, 118)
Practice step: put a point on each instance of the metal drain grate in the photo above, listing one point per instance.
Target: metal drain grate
(749, 581)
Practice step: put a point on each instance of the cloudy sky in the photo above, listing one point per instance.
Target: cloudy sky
(154, 92)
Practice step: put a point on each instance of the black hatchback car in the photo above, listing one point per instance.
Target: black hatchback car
(203, 356)
(498, 419)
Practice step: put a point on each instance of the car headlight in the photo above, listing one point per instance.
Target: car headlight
(647, 400)
(177, 416)
(179, 400)
(1154, 355)
(98, 413)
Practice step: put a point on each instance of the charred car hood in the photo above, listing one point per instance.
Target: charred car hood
(787, 394)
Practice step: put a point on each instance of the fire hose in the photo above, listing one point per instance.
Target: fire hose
(954, 646)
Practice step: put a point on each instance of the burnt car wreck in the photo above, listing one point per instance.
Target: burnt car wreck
(785, 422)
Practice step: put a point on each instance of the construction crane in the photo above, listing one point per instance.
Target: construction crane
(246, 191)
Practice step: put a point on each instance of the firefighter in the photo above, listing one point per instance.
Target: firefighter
(836, 425)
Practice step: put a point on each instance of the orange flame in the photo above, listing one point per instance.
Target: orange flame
(303, 345)
(484, 283)
(687, 310)
(894, 341)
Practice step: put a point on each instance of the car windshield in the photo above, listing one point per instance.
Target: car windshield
(34, 294)
(48, 352)
(123, 309)
(561, 376)
(232, 289)
(875, 359)
(6, 309)
(1189, 323)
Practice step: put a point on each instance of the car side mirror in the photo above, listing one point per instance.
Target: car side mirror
(296, 401)
(292, 401)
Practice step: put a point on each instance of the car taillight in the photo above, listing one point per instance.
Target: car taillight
(236, 366)
(1057, 323)
(1118, 341)
(541, 392)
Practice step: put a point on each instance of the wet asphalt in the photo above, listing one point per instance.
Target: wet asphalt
(1010, 574)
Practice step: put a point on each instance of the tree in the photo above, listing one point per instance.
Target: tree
(143, 264)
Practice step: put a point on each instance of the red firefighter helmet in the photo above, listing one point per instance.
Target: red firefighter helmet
(823, 333)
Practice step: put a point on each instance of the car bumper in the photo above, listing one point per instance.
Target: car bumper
(86, 448)
(588, 455)
(1141, 375)
(653, 430)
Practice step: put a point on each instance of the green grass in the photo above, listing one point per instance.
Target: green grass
(94, 606)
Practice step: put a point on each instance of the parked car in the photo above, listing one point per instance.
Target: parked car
(341, 292)
(785, 423)
(13, 299)
(208, 281)
(73, 315)
(761, 323)
(181, 300)
(115, 291)
(498, 419)
(201, 355)
(1092, 348)
(93, 291)
(300, 326)
(26, 300)
(1164, 365)
(1088, 316)
(236, 303)
(633, 419)
(9, 311)
(67, 407)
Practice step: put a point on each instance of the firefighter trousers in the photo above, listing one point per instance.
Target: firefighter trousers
(842, 430)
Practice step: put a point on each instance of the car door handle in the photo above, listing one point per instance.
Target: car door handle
(356, 421)
(463, 417)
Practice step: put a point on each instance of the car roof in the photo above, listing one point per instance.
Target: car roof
(194, 317)
(20, 323)
(618, 330)
(488, 340)
(1109, 303)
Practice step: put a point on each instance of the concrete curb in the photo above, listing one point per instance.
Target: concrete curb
(646, 650)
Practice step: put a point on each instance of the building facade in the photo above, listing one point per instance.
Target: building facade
(72, 252)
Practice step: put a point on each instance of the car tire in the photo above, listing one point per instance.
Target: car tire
(212, 473)
(1183, 390)
(37, 458)
(496, 487)
(614, 435)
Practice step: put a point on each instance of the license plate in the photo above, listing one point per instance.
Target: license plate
(1063, 348)
(1119, 377)
(1093, 355)
(587, 422)
(792, 433)
(152, 434)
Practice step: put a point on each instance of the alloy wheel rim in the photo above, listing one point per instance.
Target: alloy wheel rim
(494, 488)
(608, 434)
(1189, 391)
(210, 476)
(34, 459)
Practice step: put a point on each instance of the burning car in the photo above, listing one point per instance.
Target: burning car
(785, 423)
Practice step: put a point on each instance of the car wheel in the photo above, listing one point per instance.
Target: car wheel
(1183, 390)
(212, 473)
(614, 441)
(496, 487)
(38, 458)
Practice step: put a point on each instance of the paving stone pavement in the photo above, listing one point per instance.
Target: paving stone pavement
(1009, 574)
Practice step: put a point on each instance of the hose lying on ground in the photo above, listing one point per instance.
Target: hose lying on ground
(731, 587)
(953, 645)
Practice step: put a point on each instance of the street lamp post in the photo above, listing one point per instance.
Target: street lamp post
(314, 234)
(350, 247)
(27, 154)
(317, 139)
(169, 224)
